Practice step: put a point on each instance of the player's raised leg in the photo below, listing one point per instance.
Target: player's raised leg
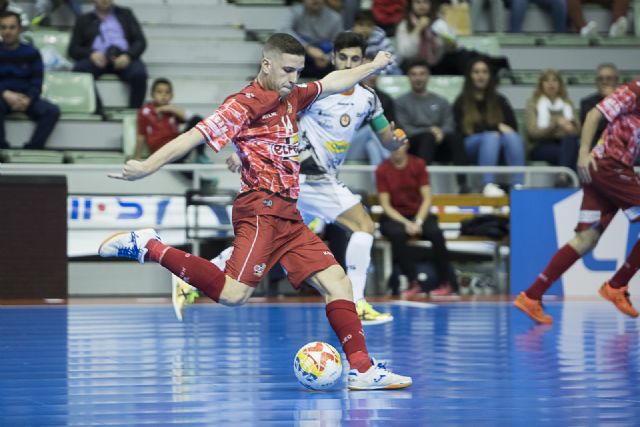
(365, 373)
(530, 301)
(358, 259)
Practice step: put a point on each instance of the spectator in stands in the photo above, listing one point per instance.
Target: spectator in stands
(497, 14)
(557, 11)
(21, 73)
(607, 80)
(43, 8)
(159, 122)
(347, 8)
(425, 35)
(552, 124)
(376, 38)
(109, 39)
(488, 123)
(10, 6)
(619, 22)
(405, 196)
(315, 26)
(366, 145)
(428, 121)
(388, 13)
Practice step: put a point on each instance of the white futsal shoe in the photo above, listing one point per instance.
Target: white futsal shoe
(128, 244)
(378, 377)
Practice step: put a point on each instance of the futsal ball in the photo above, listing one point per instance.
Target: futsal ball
(317, 366)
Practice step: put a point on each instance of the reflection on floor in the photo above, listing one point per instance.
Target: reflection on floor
(478, 363)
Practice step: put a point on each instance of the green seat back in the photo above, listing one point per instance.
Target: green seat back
(59, 40)
(72, 92)
(484, 44)
(31, 156)
(448, 87)
(95, 157)
(394, 86)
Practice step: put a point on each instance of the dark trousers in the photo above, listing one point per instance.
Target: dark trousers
(451, 149)
(44, 113)
(135, 74)
(405, 256)
(559, 152)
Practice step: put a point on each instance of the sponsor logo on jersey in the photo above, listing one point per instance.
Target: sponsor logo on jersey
(337, 147)
(267, 203)
(258, 269)
(285, 150)
(345, 119)
(269, 115)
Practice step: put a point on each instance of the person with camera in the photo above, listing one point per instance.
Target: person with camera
(109, 39)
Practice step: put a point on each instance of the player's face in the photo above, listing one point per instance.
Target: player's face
(161, 94)
(10, 31)
(480, 75)
(418, 77)
(283, 72)
(421, 7)
(551, 86)
(347, 58)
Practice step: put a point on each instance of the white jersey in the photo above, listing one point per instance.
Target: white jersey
(328, 126)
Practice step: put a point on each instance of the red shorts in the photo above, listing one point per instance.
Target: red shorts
(614, 186)
(263, 240)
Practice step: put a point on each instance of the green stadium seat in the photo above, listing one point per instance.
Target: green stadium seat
(448, 87)
(394, 86)
(94, 157)
(72, 92)
(59, 40)
(129, 134)
(31, 156)
(489, 45)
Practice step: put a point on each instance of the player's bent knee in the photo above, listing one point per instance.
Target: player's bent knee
(235, 293)
(585, 240)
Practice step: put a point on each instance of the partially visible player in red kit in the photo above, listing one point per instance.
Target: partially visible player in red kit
(261, 121)
(609, 183)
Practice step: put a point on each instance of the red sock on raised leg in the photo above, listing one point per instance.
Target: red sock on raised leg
(344, 320)
(194, 270)
(561, 261)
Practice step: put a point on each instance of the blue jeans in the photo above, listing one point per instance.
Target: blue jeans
(556, 8)
(486, 147)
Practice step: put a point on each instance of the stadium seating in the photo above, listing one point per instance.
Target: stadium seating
(72, 92)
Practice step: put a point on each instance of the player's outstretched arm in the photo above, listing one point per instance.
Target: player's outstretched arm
(173, 150)
(585, 160)
(339, 81)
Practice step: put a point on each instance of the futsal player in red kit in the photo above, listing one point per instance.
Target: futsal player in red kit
(609, 183)
(261, 121)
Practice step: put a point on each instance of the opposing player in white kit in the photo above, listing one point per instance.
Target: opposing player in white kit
(327, 128)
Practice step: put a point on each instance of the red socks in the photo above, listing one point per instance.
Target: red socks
(561, 261)
(194, 270)
(628, 269)
(343, 318)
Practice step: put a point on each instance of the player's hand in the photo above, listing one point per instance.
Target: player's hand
(233, 163)
(381, 60)
(132, 170)
(586, 161)
(399, 136)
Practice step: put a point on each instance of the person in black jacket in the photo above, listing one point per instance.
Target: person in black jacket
(110, 40)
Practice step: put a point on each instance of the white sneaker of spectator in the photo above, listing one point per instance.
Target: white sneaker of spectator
(619, 28)
(492, 190)
(589, 30)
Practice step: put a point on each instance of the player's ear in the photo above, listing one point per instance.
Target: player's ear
(265, 65)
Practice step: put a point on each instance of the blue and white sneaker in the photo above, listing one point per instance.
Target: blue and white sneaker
(128, 244)
(378, 377)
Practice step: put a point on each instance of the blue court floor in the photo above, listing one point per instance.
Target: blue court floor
(480, 364)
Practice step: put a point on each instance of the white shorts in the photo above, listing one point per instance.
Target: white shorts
(323, 196)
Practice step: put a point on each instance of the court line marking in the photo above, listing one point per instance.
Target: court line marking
(415, 304)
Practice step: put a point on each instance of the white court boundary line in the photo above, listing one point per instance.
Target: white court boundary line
(415, 304)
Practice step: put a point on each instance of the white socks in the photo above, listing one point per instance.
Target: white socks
(358, 258)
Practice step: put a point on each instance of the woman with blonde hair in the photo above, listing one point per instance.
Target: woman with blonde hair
(552, 123)
(488, 123)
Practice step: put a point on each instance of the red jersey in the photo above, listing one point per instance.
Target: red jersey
(403, 185)
(263, 127)
(621, 138)
(157, 128)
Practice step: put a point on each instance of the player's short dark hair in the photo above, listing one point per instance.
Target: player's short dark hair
(417, 62)
(284, 43)
(8, 13)
(161, 81)
(349, 39)
(364, 17)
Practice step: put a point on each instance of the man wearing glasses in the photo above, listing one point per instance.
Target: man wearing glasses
(607, 80)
